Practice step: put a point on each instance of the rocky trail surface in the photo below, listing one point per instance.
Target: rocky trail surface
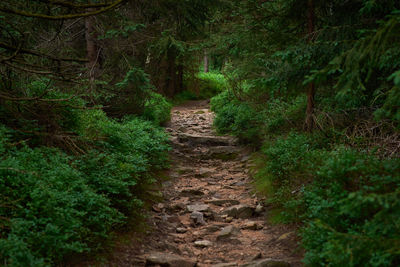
(209, 215)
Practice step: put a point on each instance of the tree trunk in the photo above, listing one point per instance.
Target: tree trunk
(179, 83)
(205, 62)
(91, 49)
(171, 79)
(310, 122)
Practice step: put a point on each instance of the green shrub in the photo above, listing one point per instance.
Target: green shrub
(237, 118)
(41, 121)
(129, 95)
(353, 207)
(289, 164)
(202, 86)
(157, 109)
(184, 96)
(221, 100)
(54, 205)
(283, 116)
(49, 211)
(211, 84)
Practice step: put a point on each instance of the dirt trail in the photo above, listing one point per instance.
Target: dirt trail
(210, 216)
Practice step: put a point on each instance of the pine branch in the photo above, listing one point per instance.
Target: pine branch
(38, 54)
(60, 17)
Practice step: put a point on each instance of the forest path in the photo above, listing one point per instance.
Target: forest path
(210, 215)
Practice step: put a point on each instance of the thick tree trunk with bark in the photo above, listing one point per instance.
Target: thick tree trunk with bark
(206, 62)
(310, 121)
(179, 78)
(171, 79)
(92, 49)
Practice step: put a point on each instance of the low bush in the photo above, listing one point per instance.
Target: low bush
(54, 205)
(202, 86)
(157, 109)
(237, 118)
(347, 201)
(353, 212)
(289, 164)
(211, 84)
(283, 116)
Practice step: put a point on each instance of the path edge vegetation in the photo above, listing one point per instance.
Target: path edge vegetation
(313, 85)
(327, 162)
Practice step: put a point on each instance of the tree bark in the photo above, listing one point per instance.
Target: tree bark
(92, 50)
(310, 121)
(206, 63)
(179, 84)
(171, 79)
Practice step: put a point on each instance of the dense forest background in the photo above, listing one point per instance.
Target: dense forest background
(85, 87)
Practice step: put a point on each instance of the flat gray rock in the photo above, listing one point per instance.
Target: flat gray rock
(168, 260)
(212, 228)
(197, 207)
(231, 264)
(239, 211)
(181, 230)
(197, 217)
(191, 192)
(221, 202)
(227, 232)
(251, 226)
(266, 263)
(203, 243)
(210, 140)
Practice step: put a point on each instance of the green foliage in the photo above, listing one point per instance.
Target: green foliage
(203, 86)
(129, 95)
(282, 116)
(289, 163)
(50, 209)
(390, 108)
(221, 100)
(236, 117)
(353, 208)
(211, 84)
(54, 205)
(157, 109)
(124, 32)
(184, 96)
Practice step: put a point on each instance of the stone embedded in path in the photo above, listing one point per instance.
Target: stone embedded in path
(207, 140)
(239, 211)
(203, 243)
(285, 236)
(181, 230)
(221, 202)
(168, 260)
(213, 228)
(222, 152)
(198, 218)
(251, 226)
(177, 207)
(266, 263)
(197, 207)
(228, 219)
(204, 172)
(231, 264)
(191, 192)
(227, 232)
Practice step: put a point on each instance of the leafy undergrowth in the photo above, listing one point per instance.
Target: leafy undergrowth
(205, 86)
(55, 205)
(345, 200)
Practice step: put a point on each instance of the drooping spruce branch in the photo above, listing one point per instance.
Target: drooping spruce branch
(60, 17)
(39, 54)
